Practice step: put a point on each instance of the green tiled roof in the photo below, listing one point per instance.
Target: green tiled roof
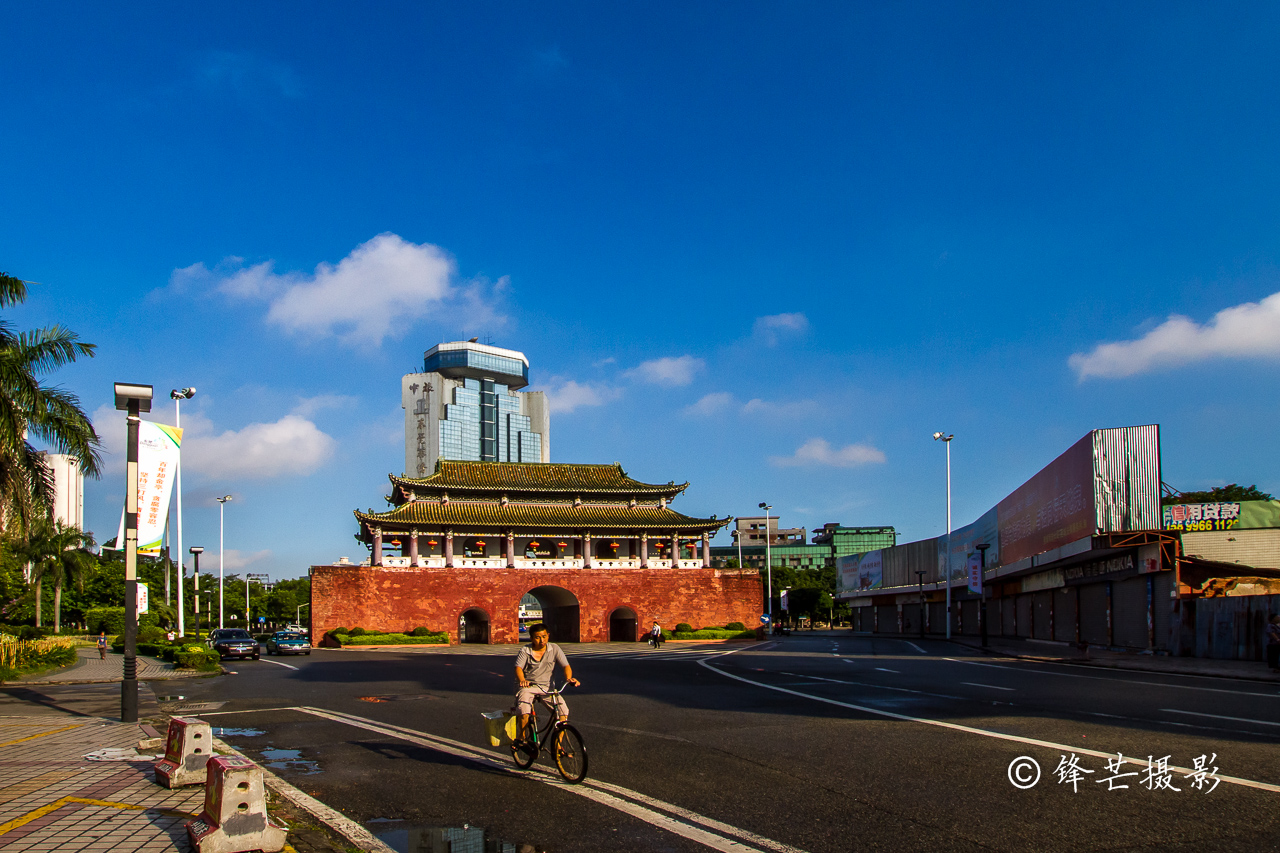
(545, 477)
(461, 515)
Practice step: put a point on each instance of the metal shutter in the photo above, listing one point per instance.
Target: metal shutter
(1129, 612)
(1008, 612)
(1093, 614)
(1162, 607)
(1064, 614)
(969, 617)
(1043, 622)
(1024, 615)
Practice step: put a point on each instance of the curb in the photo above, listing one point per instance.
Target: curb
(1103, 664)
(354, 833)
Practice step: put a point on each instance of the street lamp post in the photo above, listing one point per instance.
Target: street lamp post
(921, 575)
(982, 590)
(768, 562)
(737, 537)
(222, 561)
(196, 551)
(248, 577)
(297, 618)
(134, 399)
(946, 439)
(178, 396)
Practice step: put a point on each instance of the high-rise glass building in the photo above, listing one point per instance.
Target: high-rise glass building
(466, 405)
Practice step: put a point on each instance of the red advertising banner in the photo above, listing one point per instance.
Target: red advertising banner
(1054, 507)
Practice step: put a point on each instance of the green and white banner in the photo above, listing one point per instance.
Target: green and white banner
(159, 454)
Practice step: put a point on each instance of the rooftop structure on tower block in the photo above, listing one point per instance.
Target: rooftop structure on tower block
(602, 552)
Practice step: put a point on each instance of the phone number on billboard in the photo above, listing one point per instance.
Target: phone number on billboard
(1203, 524)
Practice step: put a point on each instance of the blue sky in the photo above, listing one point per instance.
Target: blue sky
(767, 248)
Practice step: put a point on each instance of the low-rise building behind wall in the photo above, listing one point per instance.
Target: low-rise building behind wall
(830, 542)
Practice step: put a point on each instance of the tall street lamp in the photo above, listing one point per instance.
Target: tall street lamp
(946, 439)
(222, 505)
(249, 576)
(134, 399)
(178, 396)
(196, 551)
(768, 561)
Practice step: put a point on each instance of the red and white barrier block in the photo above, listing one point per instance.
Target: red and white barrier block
(188, 747)
(235, 816)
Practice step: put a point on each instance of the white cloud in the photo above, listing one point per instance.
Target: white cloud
(817, 451)
(773, 327)
(787, 410)
(376, 291)
(308, 406)
(292, 445)
(667, 371)
(711, 404)
(234, 561)
(1251, 330)
(571, 395)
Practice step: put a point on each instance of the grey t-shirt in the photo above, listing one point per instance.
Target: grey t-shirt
(539, 672)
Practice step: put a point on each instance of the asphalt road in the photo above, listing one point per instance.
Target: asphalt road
(809, 743)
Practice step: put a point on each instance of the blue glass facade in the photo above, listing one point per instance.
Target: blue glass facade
(483, 424)
(467, 361)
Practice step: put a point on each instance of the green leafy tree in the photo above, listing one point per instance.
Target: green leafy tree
(31, 410)
(1232, 493)
(59, 553)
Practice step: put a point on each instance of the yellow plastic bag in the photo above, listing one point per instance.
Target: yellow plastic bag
(499, 726)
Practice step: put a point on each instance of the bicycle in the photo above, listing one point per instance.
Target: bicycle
(567, 747)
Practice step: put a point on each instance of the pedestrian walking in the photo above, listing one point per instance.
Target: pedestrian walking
(102, 646)
(1273, 643)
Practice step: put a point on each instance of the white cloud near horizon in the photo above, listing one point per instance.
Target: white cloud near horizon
(773, 327)
(671, 371)
(374, 292)
(819, 452)
(292, 445)
(569, 395)
(1250, 330)
(722, 401)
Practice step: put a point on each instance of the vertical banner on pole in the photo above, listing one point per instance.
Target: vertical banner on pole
(159, 448)
(975, 572)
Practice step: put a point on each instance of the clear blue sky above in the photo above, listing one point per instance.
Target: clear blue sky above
(768, 248)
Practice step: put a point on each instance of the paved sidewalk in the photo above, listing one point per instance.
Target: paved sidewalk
(90, 669)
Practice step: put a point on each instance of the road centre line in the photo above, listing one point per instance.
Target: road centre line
(874, 686)
(1220, 717)
(599, 792)
(279, 663)
(1112, 680)
(882, 669)
(917, 648)
(1234, 780)
(990, 686)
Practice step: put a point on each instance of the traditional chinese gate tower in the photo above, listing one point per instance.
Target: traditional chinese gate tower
(604, 554)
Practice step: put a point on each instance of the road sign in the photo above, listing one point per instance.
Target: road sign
(764, 618)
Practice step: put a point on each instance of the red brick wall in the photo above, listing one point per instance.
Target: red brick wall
(402, 599)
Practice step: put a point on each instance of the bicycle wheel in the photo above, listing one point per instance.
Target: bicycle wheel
(524, 755)
(570, 753)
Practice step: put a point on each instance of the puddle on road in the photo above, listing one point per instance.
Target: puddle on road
(403, 697)
(447, 839)
(237, 732)
(288, 759)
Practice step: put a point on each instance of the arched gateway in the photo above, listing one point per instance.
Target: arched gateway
(602, 553)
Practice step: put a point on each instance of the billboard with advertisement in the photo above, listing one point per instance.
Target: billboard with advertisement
(984, 531)
(859, 572)
(1222, 515)
(1054, 507)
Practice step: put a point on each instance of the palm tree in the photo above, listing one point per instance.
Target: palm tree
(60, 553)
(29, 409)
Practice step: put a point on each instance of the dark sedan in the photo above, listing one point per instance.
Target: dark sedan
(233, 643)
(288, 643)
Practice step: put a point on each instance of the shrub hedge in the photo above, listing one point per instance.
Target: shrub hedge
(714, 634)
(371, 638)
(735, 626)
(683, 627)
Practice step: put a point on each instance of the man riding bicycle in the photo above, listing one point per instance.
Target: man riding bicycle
(535, 666)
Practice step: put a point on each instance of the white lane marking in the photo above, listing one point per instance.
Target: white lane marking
(991, 686)
(246, 711)
(279, 663)
(1234, 780)
(589, 789)
(882, 669)
(917, 648)
(880, 687)
(1220, 717)
(1025, 670)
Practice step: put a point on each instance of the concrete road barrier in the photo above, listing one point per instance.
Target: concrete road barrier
(188, 748)
(235, 816)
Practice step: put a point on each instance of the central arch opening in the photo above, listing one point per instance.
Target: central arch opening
(559, 612)
(622, 625)
(473, 626)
